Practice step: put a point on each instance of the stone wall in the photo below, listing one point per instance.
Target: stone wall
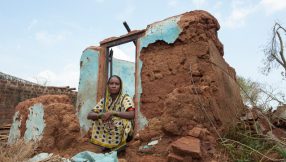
(12, 93)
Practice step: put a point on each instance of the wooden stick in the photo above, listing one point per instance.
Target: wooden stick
(5, 127)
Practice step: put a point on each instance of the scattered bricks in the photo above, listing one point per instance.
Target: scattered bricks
(278, 133)
(198, 132)
(252, 115)
(281, 112)
(199, 126)
(263, 125)
(250, 122)
(207, 125)
(195, 132)
(190, 127)
(187, 146)
(211, 139)
(204, 138)
(212, 130)
(188, 159)
(175, 158)
(184, 128)
(206, 145)
(259, 113)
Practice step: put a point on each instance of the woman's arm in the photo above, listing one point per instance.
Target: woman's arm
(127, 114)
(92, 115)
(124, 115)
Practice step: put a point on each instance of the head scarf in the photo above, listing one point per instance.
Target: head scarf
(107, 94)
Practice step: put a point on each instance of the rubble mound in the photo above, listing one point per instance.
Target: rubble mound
(61, 124)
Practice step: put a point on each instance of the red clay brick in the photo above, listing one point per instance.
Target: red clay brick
(7, 117)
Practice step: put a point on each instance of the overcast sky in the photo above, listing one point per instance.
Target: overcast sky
(47, 37)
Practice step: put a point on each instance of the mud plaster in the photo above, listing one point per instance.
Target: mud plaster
(168, 31)
(35, 124)
(14, 130)
(87, 89)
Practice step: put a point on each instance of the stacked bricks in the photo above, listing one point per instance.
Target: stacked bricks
(12, 93)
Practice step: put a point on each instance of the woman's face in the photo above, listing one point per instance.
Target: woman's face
(114, 85)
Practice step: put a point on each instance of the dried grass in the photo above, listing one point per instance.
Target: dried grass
(19, 151)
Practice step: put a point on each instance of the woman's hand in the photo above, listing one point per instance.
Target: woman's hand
(106, 116)
(109, 123)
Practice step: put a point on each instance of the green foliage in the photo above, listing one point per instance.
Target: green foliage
(246, 144)
(282, 151)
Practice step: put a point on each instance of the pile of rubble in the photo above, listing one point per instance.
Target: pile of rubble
(267, 123)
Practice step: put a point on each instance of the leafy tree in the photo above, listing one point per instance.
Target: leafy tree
(274, 51)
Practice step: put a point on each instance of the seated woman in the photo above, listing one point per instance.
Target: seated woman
(111, 119)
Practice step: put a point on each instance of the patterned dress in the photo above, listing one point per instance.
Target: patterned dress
(115, 137)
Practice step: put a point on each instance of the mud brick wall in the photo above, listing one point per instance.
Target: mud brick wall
(12, 93)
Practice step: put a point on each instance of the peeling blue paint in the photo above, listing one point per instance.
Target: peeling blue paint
(141, 120)
(125, 70)
(14, 130)
(167, 31)
(35, 123)
(86, 98)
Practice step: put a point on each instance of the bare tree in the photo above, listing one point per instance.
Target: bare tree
(260, 95)
(274, 51)
(43, 80)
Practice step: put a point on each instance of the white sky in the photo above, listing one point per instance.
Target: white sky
(47, 37)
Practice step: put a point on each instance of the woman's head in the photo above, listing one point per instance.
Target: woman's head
(114, 84)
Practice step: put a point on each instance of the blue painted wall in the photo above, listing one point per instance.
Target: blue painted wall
(14, 130)
(125, 70)
(168, 31)
(87, 88)
(35, 125)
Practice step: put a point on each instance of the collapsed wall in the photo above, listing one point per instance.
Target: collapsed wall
(49, 120)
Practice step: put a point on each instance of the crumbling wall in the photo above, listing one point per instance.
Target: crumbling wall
(165, 74)
(171, 122)
(49, 120)
(12, 93)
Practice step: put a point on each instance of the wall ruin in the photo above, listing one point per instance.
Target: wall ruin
(12, 93)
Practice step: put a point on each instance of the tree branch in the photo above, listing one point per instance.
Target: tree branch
(280, 27)
(281, 48)
(277, 59)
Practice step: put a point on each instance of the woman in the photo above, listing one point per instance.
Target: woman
(111, 118)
